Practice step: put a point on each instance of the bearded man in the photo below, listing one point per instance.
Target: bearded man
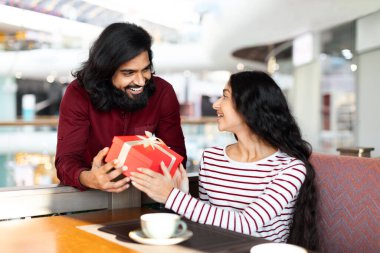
(115, 93)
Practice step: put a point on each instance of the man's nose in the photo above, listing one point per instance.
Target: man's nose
(139, 79)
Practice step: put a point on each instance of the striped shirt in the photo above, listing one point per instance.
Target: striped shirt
(255, 198)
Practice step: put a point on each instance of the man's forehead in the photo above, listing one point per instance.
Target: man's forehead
(133, 67)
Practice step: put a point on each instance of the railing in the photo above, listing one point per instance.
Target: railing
(53, 121)
(28, 184)
(40, 193)
(20, 202)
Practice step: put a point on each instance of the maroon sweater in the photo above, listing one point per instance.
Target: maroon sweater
(83, 131)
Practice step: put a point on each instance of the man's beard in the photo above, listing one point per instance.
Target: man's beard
(122, 100)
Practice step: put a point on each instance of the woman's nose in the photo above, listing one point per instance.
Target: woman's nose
(216, 104)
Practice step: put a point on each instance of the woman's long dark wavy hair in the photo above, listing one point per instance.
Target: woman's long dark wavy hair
(263, 105)
(117, 44)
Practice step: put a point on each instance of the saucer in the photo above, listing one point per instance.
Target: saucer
(138, 236)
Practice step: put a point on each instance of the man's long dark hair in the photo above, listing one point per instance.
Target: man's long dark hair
(117, 44)
(263, 105)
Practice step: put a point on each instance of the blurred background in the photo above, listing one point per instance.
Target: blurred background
(323, 53)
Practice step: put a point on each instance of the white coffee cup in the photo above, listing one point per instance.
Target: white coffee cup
(162, 225)
(277, 247)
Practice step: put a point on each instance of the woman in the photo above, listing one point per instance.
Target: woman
(263, 184)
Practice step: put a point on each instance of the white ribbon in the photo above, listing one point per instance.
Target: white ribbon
(149, 140)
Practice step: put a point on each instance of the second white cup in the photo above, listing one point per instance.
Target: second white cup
(162, 225)
(274, 247)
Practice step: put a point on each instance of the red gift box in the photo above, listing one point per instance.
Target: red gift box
(138, 151)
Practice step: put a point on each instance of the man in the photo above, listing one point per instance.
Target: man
(115, 93)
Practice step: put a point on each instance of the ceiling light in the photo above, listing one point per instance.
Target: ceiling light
(63, 79)
(50, 78)
(18, 75)
(347, 54)
(240, 66)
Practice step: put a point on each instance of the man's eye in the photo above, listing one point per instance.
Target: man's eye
(128, 73)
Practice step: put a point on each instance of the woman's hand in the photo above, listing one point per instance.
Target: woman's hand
(158, 186)
(101, 175)
(181, 181)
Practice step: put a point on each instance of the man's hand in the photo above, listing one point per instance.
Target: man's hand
(101, 175)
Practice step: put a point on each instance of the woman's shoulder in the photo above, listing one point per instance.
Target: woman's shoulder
(214, 151)
(290, 162)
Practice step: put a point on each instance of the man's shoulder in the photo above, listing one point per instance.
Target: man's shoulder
(75, 85)
(164, 90)
(74, 89)
(161, 83)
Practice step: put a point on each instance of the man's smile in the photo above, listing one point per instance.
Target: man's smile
(134, 89)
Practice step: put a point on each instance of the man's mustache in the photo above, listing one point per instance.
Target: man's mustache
(135, 86)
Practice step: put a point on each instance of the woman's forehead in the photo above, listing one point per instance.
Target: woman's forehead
(227, 87)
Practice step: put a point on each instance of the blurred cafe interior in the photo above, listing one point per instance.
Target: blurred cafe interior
(325, 55)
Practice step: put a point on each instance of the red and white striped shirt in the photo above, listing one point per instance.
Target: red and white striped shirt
(255, 198)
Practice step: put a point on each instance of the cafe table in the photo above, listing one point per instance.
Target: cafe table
(72, 233)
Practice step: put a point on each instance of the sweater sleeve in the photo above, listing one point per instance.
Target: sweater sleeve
(201, 189)
(169, 126)
(282, 190)
(73, 131)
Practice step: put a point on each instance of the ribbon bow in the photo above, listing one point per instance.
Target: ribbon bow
(150, 140)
